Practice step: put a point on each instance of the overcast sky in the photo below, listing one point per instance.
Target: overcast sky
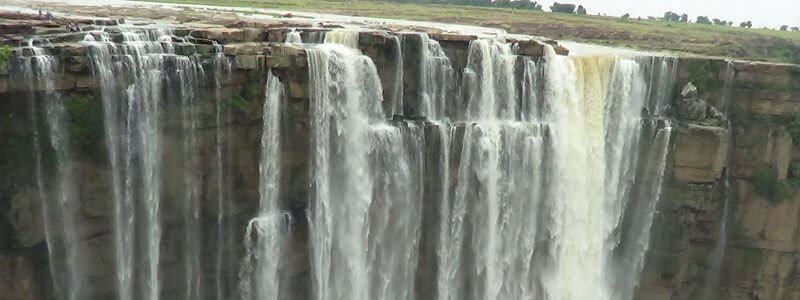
(769, 13)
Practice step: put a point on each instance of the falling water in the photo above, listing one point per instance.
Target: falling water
(188, 74)
(265, 233)
(714, 273)
(133, 140)
(223, 68)
(436, 77)
(396, 106)
(364, 216)
(547, 173)
(293, 37)
(514, 233)
(59, 202)
(342, 37)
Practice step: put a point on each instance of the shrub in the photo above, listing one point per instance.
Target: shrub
(770, 187)
(563, 8)
(793, 174)
(703, 20)
(5, 54)
(794, 129)
(84, 120)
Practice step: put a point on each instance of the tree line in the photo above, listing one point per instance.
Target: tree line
(514, 4)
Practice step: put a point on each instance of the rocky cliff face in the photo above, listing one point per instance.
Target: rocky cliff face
(752, 162)
(755, 155)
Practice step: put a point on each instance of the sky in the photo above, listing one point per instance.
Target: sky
(769, 13)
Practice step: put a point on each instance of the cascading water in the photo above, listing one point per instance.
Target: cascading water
(545, 172)
(131, 121)
(59, 198)
(342, 37)
(293, 37)
(714, 273)
(514, 232)
(364, 213)
(265, 234)
(436, 78)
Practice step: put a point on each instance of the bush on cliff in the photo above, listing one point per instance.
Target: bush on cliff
(84, 120)
(794, 129)
(770, 187)
(5, 54)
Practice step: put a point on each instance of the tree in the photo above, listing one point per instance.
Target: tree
(703, 20)
(581, 10)
(747, 24)
(685, 18)
(795, 29)
(784, 27)
(625, 16)
(565, 8)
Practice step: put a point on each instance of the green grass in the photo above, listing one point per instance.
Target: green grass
(700, 39)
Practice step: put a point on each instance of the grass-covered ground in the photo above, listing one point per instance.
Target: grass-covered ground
(732, 42)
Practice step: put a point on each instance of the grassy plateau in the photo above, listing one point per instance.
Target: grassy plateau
(655, 35)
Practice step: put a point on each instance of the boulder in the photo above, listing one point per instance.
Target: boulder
(692, 109)
(700, 153)
(688, 90)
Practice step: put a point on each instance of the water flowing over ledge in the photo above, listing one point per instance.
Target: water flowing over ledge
(345, 164)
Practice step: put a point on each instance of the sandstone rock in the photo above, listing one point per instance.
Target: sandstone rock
(286, 50)
(452, 37)
(18, 278)
(221, 35)
(206, 49)
(277, 35)
(95, 192)
(692, 109)
(530, 48)
(25, 217)
(249, 62)
(700, 153)
(374, 38)
(688, 90)
(244, 49)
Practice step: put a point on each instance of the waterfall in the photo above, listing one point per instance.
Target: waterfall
(223, 68)
(293, 37)
(188, 74)
(436, 78)
(712, 277)
(59, 198)
(342, 37)
(396, 106)
(364, 213)
(133, 143)
(513, 177)
(268, 228)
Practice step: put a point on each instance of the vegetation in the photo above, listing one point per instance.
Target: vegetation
(794, 129)
(515, 4)
(793, 174)
(703, 75)
(5, 54)
(84, 120)
(770, 187)
(564, 8)
(646, 34)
